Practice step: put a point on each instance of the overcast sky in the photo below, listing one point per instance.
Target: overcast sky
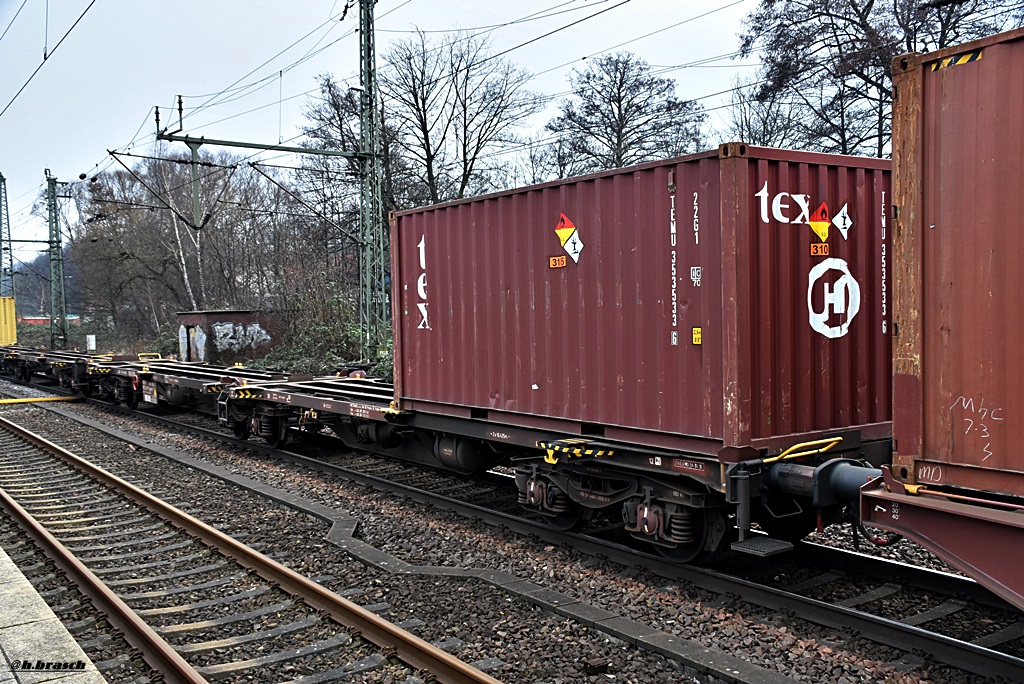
(96, 90)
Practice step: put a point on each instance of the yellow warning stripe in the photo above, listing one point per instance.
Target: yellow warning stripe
(579, 452)
(246, 394)
(569, 448)
(33, 400)
(957, 60)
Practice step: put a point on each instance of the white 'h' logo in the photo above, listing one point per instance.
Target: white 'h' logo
(844, 299)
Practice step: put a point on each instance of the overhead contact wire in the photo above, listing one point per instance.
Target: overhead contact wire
(47, 57)
(23, 2)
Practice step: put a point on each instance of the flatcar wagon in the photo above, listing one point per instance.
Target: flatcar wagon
(690, 344)
(57, 365)
(133, 380)
(707, 342)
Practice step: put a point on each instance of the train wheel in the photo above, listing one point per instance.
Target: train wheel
(279, 436)
(242, 428)
(697, 526)
(568, 521)
(132, 400)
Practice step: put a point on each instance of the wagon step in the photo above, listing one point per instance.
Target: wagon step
(762, 547)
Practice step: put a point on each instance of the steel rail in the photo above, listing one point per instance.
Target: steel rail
(37, 400)
(407, 647)
(960, 654)
(157, 653)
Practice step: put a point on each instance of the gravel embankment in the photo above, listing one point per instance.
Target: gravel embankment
(534, 646)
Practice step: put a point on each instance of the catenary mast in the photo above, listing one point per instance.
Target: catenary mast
(58, 302)
(373, 279)
(6, 252)
(374, 295)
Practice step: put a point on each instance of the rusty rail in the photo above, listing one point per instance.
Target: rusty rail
(157, 653)
(407, 647)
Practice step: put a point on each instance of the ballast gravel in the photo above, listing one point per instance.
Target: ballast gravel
(487, 622)
(103, 644)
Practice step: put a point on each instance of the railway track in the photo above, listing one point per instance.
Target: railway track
(951, 618)
(920, 611)
(159, 575)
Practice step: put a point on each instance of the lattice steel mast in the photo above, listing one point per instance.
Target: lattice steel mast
(6, 251)
(58, 302)
(374, 266)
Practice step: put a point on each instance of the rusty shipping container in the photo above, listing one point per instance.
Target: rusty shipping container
(958, 150)
(731, 298)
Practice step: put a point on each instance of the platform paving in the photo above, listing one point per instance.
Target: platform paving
(34, 645)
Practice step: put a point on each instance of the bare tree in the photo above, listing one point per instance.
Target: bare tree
(140, 262)
(835, 56)
(452, 103)
(767, 120)
(334, 125)
(620, 114)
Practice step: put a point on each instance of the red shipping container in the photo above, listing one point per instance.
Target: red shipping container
(958, 142)
(730, 298)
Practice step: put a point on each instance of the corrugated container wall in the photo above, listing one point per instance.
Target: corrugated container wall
(958, 149)
(729, 298)
(8, 321)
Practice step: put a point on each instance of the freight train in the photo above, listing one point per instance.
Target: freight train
(694, 345)
(704, 345)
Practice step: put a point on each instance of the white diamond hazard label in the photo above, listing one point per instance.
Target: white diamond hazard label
(843, 222)
(573, 246)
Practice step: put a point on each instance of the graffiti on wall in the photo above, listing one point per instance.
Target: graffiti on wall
(235, 337)
(231, 338)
